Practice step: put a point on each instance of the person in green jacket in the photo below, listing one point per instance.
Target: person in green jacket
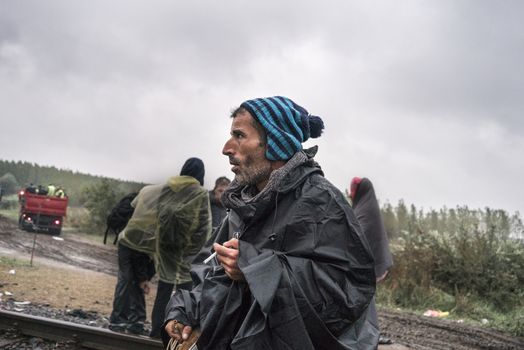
(170, 224)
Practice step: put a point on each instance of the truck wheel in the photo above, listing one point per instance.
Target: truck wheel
(24, 226)
(55, 231)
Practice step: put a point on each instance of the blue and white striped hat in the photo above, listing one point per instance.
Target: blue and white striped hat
(287, 125)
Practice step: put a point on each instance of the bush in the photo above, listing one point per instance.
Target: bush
(77, 217)
(470, 262)
(9, 203)
(8, 184)
(99, 199)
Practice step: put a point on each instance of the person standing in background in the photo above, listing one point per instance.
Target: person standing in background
(366, 209)
(170, 223)
(218, 211)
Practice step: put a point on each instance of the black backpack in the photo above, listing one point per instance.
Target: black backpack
(119, 216)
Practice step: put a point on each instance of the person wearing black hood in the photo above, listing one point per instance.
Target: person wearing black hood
(291, 269)
(366, 208)
(218, 211)
(170, 223)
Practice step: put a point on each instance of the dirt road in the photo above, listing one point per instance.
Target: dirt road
(406, 330)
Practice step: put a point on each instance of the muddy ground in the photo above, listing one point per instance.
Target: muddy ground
(406, 330)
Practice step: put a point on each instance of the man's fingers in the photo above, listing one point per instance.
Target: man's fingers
(232, 243)
(186, 332)
(178, 331)
(172, 331)
(224, 251)
(227, 256)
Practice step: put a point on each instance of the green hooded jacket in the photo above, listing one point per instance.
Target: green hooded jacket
(171, 222)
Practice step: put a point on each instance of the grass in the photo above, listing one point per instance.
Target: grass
(9, 207)
(471, 310)
(12, 262)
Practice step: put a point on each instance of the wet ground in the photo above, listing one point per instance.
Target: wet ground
(406, 330)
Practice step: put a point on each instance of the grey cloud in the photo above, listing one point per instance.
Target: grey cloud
(409, 90)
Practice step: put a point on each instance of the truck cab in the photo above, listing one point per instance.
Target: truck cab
(40, 212)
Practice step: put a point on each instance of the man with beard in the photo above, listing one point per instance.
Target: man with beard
(291, 269)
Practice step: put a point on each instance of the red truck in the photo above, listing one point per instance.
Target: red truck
(41, 212)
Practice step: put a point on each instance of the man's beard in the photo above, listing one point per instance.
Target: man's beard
(254, 172)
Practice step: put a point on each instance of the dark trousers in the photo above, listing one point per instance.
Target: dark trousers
(129, 305)
(163, 294)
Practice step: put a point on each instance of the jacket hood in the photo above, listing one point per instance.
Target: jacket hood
(194, 167)
(176, 183)
(297, 174)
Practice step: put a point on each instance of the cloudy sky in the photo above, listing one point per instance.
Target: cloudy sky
(423, 97)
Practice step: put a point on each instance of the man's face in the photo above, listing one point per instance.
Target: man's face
(246, 152)
(218, 191)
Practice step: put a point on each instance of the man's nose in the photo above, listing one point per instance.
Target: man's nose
(227, 150)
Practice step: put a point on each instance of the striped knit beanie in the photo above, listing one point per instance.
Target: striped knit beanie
(287, 125)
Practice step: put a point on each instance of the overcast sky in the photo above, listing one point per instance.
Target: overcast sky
(425, 98)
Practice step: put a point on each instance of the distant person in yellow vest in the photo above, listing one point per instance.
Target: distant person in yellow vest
(60, 192)
(51, 190)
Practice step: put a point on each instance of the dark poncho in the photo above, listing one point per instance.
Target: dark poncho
(308, 270)
(367, 210)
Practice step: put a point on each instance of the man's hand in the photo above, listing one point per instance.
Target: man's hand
(144, 285)
(227, 256)
(178, 330)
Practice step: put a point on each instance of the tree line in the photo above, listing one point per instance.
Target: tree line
(15, 175)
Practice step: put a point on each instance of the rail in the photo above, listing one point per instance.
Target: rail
(84, 336)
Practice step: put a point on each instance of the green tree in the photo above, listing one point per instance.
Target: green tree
(402, 216)
(433, 220)
(516, 226)
(99, 199)
(390, 221)
(9, 184)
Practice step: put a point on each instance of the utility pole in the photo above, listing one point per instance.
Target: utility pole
(35, 228)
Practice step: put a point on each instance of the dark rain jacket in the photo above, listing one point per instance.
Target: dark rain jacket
(308, 272)
(218, 211)
(367, 211)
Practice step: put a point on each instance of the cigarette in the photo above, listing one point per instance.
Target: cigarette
(208, 259)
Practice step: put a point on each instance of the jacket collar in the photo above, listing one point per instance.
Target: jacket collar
(251, 206)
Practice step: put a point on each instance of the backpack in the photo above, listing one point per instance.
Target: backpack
(119, 216)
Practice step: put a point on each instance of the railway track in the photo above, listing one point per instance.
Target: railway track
(82, 336)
